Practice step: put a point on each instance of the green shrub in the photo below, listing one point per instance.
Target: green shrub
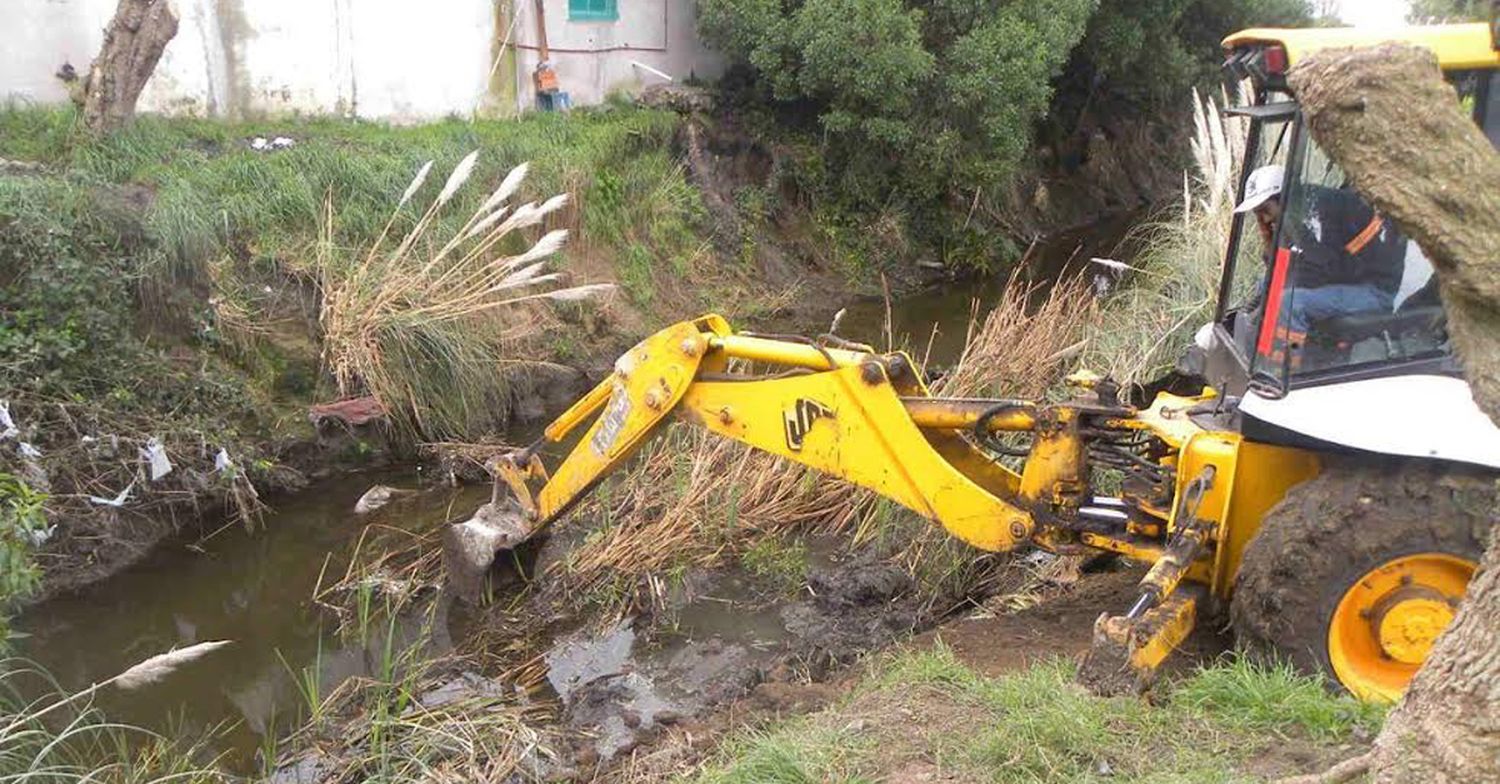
(912, 99)
(21, 521)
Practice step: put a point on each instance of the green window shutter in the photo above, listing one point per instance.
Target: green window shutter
(592, 11)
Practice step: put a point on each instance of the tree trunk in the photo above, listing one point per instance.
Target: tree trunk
(1387, 117)
(133, 43)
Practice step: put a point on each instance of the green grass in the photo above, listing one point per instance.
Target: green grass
(212, 193)
(77, 743)
(780, 561)
(1259, 697)
(1038, 726)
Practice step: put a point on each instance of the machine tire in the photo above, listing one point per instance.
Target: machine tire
(1332, 530)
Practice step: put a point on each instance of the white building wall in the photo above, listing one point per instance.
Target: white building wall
(380, 59)
(592, 58)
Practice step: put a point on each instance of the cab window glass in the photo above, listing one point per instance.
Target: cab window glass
(1250, 273)
(1479, 95)
(1347, 287)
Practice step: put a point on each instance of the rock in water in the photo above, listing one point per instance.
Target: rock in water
(376, 497)
(469, 547)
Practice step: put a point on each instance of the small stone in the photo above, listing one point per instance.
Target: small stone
(667, 717)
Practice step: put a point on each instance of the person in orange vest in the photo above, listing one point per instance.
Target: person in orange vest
(1343, 257)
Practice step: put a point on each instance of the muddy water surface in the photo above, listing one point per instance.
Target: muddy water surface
(254, 589)
(932, 325)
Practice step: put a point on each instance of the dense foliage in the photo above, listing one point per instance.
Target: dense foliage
(1145, 55)
(1430, 11)
(22, 522)
(918, 97)
(919, 106)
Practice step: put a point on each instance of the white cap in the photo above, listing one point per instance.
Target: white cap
(1263, 183)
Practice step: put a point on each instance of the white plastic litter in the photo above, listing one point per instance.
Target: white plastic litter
(40, 536)
(1117, 266)
(650, 70)
(1204, 337)
(8, 427)
(156, 456)
(117, 501)
(28, 451)
(262, 144)
(222, 461)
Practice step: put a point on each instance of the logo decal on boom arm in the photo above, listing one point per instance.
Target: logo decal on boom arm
(799, 419)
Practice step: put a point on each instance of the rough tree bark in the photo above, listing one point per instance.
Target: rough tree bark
(1386, 115)
(133, 43)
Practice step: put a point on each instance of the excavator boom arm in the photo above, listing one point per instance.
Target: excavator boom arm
(867, 418)
(863, 417)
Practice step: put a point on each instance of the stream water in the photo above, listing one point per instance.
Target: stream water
(931, 325)
(255, 588)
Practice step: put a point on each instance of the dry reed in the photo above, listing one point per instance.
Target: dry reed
(1145, 326)
(144, 673)
(426, 325)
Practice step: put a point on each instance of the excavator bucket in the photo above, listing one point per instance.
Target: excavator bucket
(470, 547)
(624, 408)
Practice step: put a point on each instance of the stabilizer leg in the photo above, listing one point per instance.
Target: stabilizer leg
(1127, 651)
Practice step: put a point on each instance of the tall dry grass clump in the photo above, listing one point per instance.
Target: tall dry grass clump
(429, 325)
(1150, 321)
(691, 497)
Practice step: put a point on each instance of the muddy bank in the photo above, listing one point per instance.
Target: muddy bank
(724, 646)
(990, 636)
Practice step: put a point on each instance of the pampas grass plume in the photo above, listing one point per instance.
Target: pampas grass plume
(507, 187)
(161, 665)
(416, 183)
(456, 180)
(579, 293)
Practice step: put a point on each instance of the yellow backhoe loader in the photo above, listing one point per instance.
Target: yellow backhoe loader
(1332, 484)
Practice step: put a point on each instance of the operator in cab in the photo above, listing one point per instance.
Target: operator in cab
(1345, 258)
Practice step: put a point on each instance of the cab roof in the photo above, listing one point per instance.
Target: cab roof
(1457, 46)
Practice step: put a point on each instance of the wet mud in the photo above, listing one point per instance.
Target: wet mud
(726, 648)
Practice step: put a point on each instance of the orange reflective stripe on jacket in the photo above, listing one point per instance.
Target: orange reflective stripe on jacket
(1364, 236)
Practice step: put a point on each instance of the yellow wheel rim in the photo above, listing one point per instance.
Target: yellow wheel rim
(1387, 621)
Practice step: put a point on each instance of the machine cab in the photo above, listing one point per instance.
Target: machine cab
(1320, 294)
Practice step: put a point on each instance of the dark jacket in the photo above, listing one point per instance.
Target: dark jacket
(1343, 240)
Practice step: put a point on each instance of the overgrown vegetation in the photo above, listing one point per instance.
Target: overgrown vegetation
(430, 327)
(48, 735)
(910, 121)
(914, 99)
(22, 525)
(920, 713)
(1174, 281)
(166, 283)
(414, 716)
